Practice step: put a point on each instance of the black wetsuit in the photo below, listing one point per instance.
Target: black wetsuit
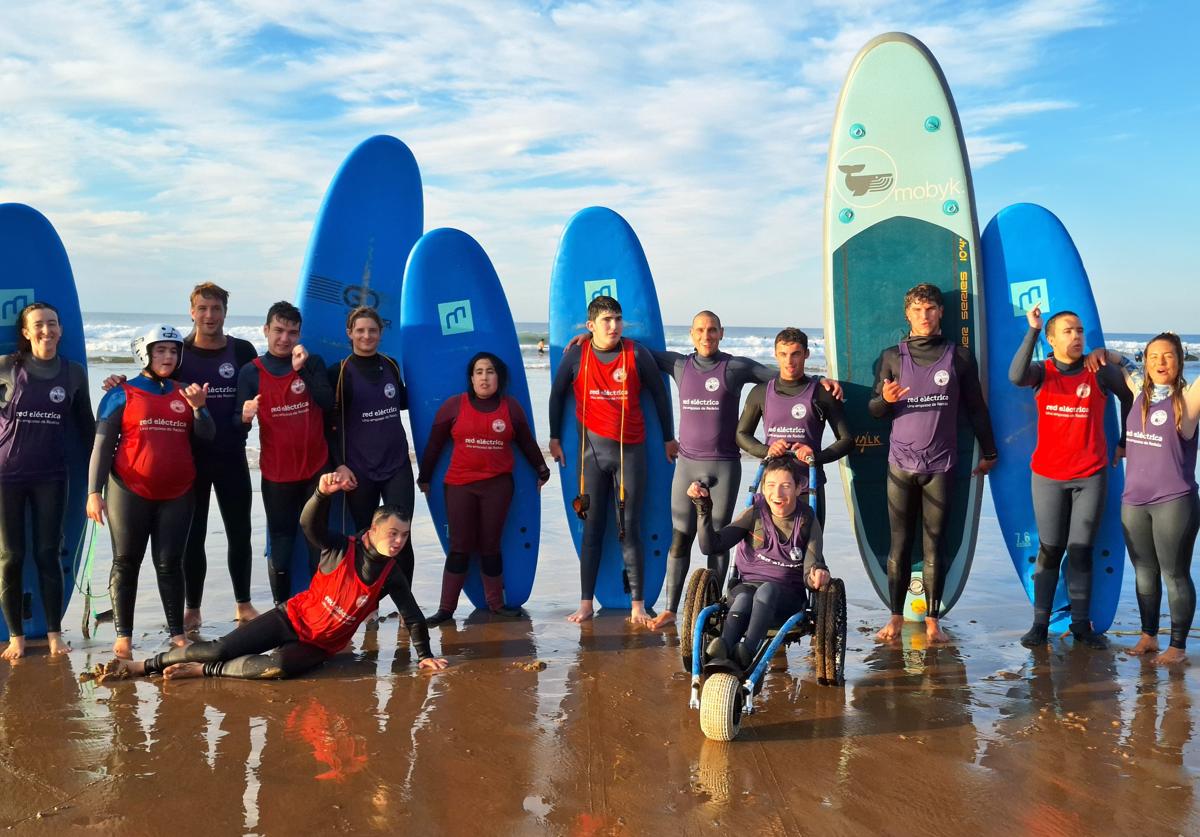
(926, 496)
(602, 466)
(268, 648)
(44, 497)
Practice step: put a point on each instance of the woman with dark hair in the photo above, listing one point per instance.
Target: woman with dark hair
(41, 393)
(368, 445)
(482, 424)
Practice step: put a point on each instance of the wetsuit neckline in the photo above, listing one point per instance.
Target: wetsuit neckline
(189, 342)
(783, 387)
(49, 367)
(707, 363)
(485, 405)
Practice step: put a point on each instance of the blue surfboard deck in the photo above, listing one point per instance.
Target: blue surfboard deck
(899, 209)
(454, 306)
(600, 254)
(372, 215)
(1029, 257)
(34, 267)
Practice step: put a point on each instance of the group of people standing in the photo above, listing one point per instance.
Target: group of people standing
(167, 438)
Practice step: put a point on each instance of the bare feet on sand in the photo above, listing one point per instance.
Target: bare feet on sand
(245, 612)
(662, 620)
(15, 649)
(584, 613)
(1146, 644)
(934, 633)
(58, 645)
(639, 616)
(180, 641)
(191, 619)
(1171, 657)
(123, 648)
(891, 630)
(182, 671)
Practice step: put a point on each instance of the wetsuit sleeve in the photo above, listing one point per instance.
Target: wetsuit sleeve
(1113, 379)
(1023, 372)
(669, 363)
(748, 423)
(653, 382)
(108, 433)
(7, 367)
(247, 389)
(561, 386)
(314, 522)
(333, 418)
(971, 392)
(748, 371)
(203, 425)
(835, 417)
(525, 440)
(81, 417)
(889, 370)
(814, 556)
(439, 435)
(315, 377)
(410, 613)
(712, 543)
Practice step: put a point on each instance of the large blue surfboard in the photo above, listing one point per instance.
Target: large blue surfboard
(899, 209)
(1029, 258)
(372, 215)
(599, 254)
(34, 268)
(454, 306)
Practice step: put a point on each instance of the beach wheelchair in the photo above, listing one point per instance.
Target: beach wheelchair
(720, 689)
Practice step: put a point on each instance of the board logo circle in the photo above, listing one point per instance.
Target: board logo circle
(58, 395)
(389, 390)
(498, 426)
(941, 377)
(178, 406)
(867, 176)
(619, 375)
(1083, 390)
(298, 386)
(799, 411)
(1158, 418)
(916, 587)
(712, 385)
(226, 370)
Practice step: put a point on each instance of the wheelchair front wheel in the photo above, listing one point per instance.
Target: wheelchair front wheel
(721, 707)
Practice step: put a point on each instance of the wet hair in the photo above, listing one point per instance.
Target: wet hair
(285, 312)
(603, 305)
(390, 510)
(710, 315)
(363, 311)
(1050, 322)
(24, 347)
(792, 335)
(210, 290)
(1177, 385)
(924, 292)
(782, 463)
(501, 371)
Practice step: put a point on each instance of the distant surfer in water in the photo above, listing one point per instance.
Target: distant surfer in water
(1069, 466)
(482, 425)
(33, 466)
(607, 374)
(541, 346)
(920, 386)
(354, 573)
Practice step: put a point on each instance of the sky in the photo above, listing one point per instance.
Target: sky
(173, 143)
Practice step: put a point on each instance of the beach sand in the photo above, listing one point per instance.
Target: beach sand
(980, 737)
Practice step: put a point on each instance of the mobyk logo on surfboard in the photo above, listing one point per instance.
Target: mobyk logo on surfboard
(593, 288)
(1025, 295)
(870, 176)
(12, 301)
(455, 317)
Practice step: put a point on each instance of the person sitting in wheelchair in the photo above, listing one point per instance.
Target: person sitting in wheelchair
(779, 559)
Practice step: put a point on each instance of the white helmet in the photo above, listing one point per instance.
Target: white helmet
(155, 334)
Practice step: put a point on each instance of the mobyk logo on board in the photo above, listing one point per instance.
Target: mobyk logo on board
(12, 300)
(455, 317)
(870, 176)
(1025, 295)
(593, 288)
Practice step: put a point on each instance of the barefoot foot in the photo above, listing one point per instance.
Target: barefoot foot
(1146, 644)
(58, 645)
(245, 612)
(15, 649)
(662, 620)
(1171, 657)
(638, 615)
(891, 630)
(191, 619)
(584, 613)
(183, 671)
(934, 633)
(180, 641)
(123, 648)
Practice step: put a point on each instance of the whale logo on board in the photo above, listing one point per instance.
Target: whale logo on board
(860, 184)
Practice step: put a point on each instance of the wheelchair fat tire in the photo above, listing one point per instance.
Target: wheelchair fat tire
(721, 707)
(701, 591)
(831, 635)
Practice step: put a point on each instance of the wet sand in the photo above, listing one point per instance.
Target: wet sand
(980, 737)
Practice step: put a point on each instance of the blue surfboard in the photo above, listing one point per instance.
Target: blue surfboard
(372, 215)
(1029, 258)
(599, 254)
(35, 268)
(454, 307)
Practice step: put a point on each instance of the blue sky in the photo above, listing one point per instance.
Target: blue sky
(172, 143)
